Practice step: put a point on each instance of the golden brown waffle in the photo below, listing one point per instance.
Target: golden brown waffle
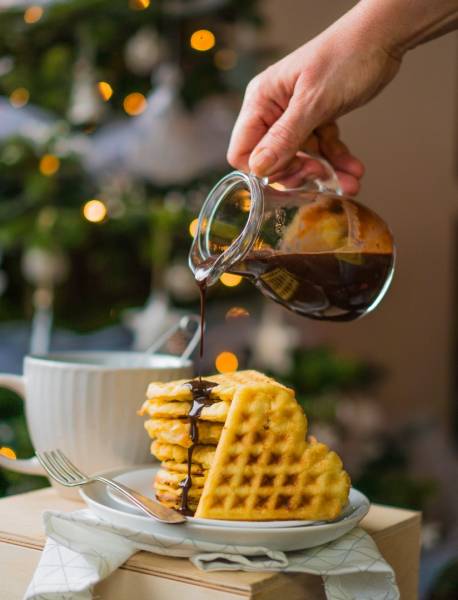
(169, 492)
(160, 409)
(263, 467)
(202, 455)
(176, 431)
(173, 501)
(175, 467)
(227, 383)
(173, 400)
(172, 480)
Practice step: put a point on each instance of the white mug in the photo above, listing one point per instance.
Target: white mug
(86, 403)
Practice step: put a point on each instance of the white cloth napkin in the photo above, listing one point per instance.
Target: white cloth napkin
(83, 549)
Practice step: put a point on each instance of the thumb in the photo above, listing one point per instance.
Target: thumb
(283, 140)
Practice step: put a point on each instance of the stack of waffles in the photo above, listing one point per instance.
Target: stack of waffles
(253, 460)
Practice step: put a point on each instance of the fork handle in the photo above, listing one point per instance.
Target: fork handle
(151, 507)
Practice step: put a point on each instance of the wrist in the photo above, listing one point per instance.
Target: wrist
(372, 28)
(397, 26)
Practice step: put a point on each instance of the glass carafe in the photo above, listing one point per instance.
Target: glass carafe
(313, 250)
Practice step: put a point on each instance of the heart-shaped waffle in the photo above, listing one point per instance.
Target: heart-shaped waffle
(265, 469)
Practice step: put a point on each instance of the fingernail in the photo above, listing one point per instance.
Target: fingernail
(262, 162)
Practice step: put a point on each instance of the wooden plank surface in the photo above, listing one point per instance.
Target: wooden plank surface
(17, 564)
(21, 524)
(395, 531)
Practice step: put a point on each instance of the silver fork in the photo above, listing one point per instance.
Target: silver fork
(58, 466)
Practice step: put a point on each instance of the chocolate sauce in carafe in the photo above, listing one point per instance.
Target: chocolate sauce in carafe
(329, 286)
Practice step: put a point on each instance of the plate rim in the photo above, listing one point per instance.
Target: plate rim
(357, 514)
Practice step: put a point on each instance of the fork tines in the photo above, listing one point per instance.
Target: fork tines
(59, 467)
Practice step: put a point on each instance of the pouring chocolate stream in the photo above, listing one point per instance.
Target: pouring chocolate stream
(201, 397)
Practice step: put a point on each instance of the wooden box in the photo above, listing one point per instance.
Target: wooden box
(396, 532)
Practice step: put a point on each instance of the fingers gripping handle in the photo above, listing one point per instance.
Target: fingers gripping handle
(30, 466)
(327, 182)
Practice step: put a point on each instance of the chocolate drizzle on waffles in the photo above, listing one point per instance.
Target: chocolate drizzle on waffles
(201, 397)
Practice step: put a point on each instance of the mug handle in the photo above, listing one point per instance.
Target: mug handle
(30, 466)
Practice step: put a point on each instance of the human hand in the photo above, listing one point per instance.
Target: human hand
(325, 142)
(296, 97)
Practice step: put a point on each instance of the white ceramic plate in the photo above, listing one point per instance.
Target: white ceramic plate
(246, 534)
(141, 480)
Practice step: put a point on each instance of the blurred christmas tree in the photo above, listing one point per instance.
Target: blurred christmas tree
(117, 118)
(115, 121)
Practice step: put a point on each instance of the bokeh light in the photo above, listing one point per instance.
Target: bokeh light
(134, 104)
(236, 312)
(139, 4)
(94, 211)
(230, 280)
(105, 90)
(278, 186)
(19, 97)
(193, 227)
(49, 164)
(202, 40)
(8, 452)
(226, 362)
(225, 59)
(33, 14)
(243, 198)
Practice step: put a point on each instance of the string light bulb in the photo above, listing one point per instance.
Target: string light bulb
(105, 90)
(32, 14)
(19, 97)
(202, 40)
(94, 211)
(236, 312)
(193, 227)
(139, 4)
(49, 164)
(134, 104)
(226, 362)
(8, 452)
(230, 280)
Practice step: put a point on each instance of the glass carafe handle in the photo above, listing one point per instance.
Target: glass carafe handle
(328, 183)
(331, 182)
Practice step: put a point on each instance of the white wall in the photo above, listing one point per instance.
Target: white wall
(407, 139)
